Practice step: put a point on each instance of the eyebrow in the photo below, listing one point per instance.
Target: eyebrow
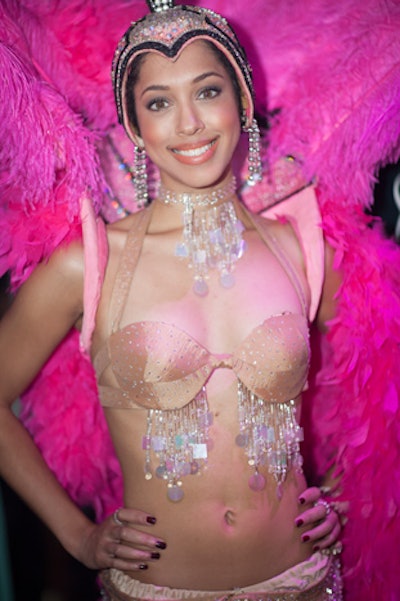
(198, 79)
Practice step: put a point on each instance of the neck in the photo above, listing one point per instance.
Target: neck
(194, 200)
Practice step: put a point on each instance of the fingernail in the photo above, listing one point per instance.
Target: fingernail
(302, 500)
(155, 556)
(143, 566)
(151, 520)
(305, 538)
(299, 522)
(161, 545)
(316, 548)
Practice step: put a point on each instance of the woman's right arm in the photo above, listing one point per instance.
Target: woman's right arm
(44, 310)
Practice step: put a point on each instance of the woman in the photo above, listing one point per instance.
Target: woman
(194, 364)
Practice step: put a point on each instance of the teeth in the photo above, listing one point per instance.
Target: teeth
(194, 152)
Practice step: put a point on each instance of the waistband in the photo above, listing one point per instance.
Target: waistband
(316, 579)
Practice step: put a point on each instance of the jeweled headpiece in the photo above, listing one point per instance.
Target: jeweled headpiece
(167, 30)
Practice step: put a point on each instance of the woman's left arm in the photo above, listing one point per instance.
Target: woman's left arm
(320, 516)
(331, 284)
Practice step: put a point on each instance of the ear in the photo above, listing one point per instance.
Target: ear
(136, 139)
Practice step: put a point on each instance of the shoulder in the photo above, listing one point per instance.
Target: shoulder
(283, 234)
(117, 232)
(59, 279)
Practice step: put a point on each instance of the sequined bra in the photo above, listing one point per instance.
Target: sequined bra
(161, 368)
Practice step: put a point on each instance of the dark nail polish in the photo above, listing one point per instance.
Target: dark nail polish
(316, 548)
(305, 538)
(161, 545)
(151, 520)
(302, 500)
(143, 566)
(299, 522)
(155, 556)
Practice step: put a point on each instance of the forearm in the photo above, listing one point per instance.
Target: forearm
(24, 469)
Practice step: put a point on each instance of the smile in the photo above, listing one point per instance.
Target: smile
(195, 154)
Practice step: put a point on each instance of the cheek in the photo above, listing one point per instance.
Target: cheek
(228, 118)
(231, 123)
(153, 131)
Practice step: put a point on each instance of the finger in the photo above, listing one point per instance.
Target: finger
(328, 541)
(311, 516)
(124, 557)
(123, 522)
(317, 532)
(135, 516)
(329, 525)
(125, 552)
(138, 539)
(310, 495)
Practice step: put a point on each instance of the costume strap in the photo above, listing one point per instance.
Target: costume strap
(127, 265)
(95, 258)
(302, 212)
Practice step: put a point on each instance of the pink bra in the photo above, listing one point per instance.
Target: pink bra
(159, 366)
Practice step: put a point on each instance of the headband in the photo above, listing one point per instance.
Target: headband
(169, 29)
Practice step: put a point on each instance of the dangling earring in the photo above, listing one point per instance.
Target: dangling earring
(140, 176)
(255, 164)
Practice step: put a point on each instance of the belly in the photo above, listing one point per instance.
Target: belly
(222, 534)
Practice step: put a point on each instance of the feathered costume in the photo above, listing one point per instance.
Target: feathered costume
(330, 72)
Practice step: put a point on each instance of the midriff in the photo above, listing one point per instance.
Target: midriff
(222, 534)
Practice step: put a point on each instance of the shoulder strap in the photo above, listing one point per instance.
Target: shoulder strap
(283, 257)
(127, 265)
(302, 211)
(95, 258)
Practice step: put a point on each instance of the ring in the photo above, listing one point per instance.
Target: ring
(116, 518)
(324, 504)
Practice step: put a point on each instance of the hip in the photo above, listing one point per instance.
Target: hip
(316, 579)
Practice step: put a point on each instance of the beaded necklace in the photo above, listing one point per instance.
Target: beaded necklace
(212, 233)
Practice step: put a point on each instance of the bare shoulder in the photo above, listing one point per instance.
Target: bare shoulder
(50, 301)
(286, 237)
(117, 231)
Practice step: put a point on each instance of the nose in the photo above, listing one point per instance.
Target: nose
(189, 120)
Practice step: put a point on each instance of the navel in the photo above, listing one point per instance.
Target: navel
(229, 518)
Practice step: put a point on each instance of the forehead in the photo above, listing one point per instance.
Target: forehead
(194, 59)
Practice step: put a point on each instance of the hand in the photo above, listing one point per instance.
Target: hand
(115, 543)
(322, 517)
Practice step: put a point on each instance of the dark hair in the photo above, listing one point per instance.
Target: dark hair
(134, 72)
(133, 76)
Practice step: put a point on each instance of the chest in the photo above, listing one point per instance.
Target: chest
(161, 289)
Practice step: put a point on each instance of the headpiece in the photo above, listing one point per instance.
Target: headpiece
(167, 30)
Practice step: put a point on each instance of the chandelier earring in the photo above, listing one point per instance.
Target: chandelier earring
(255, 163)
(140, 176)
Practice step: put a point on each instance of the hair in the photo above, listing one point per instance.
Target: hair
(134, 73)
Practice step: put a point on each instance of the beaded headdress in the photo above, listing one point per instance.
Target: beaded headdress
(167, 30)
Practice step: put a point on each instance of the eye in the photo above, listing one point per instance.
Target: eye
(209, 92)
(157, 104)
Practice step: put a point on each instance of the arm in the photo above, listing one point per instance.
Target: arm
(322, 518)
(44, 310)
(331, 284)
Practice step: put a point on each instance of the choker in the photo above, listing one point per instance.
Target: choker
(212, 237)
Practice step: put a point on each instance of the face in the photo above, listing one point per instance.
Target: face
(188, 117)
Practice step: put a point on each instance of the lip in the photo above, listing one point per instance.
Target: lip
(195, 154)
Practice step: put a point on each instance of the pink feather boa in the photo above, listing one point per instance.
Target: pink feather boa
(333, 71)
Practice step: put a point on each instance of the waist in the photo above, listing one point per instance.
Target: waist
(221, 521)
(317, 578)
